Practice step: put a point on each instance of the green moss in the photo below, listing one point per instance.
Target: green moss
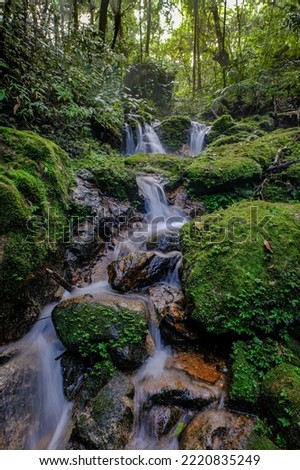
(41, 158)
(219, 127)
(244, 389)
(30, 186)
(19, 260)
(167, 165)
(174, 132)
(281, 398)
(96, 331)
(212, 173)
(233, 283)
(229, 139)
(14, 210)
(258, 442)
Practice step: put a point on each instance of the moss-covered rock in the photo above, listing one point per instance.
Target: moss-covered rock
(244, 388)
(106, 423)
(97, 331)
(220, 126)
(174, 132)
(239, 270)
(212, 174)
(14, 210)
(169, 166)
(35, 177)
(281, 399)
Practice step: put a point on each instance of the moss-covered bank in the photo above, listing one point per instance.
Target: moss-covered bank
(239, 271)
(35, 177)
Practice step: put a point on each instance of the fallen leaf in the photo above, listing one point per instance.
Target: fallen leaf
(268, 246)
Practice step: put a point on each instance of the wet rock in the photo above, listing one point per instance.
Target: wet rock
(140, 269)
(167, 300)
(73, 371)
(165, 242)
(15, 419)
(94, 325)
(163, 419)
(106, 423)
(174, 387)
(195, 365)
(192, 207)
(169, 305)
(216, 430)
(109, 215)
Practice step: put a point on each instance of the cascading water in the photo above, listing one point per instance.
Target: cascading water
(149, 141)
(143, 139)
(157, 373)
(129, 140)
(39, 400)
(197, 138)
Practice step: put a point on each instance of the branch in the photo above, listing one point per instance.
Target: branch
(59, 279)
(282, 166)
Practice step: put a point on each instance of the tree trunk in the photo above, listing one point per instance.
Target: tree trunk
(117, 27)
(103, 19)
(149, 23)
(92, 11)
(75, 15)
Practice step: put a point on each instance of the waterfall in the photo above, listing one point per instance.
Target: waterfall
(197, 137)
(143, 139)
(129, 140)
(39, 406)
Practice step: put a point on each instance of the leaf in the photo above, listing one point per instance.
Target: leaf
(17, 105)
(268, 246)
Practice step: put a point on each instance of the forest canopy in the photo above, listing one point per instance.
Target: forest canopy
(68, 64)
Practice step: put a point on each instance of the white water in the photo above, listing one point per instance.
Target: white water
(144, 139)
(129, 140)
(147, 140)
(40, 387)
(197, 138)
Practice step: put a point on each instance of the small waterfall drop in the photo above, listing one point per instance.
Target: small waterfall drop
(40, 407)
(129, 140)
(197, 137)
(143, 139)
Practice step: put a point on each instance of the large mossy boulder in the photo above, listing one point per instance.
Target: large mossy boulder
(174, 132)
(281, 399)
(212, 174)
(35, 179)
(97, 330)
(239, 269)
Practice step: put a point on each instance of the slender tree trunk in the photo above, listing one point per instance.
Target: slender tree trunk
(141, 31)
(103, 19)
(223, 42)
(92, 12)
(117, 25)
(75, 15)
(149, 24)
(195, 45)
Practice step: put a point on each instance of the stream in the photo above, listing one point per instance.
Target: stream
(38, 405)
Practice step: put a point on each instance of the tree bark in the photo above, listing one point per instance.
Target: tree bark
(103, 19)
(149, 24)
(75, 15)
